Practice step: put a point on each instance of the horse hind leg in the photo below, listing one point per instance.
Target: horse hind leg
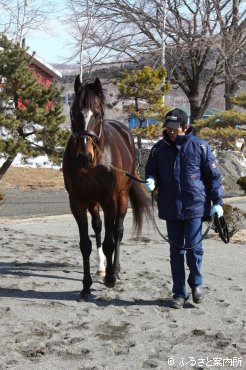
(119, 228)
(101, 262)
(96, 223)
(118, 235)
(109, 244)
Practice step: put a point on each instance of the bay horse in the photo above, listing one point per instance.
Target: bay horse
(98, 157)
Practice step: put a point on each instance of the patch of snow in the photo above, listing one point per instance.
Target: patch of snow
(41, 161)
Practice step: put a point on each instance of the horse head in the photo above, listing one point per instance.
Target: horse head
(86, 119)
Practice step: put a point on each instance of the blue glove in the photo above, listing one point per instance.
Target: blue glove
(150, 184)
(217, 209)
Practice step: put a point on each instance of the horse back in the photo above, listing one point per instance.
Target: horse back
(119, 141)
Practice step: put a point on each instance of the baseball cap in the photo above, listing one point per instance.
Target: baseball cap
(174, 118)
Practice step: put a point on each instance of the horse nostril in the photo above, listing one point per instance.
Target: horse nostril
(84, 160)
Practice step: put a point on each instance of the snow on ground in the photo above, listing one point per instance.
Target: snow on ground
(42, 161)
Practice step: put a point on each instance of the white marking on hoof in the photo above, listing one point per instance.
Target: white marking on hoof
(101, 262)
(101, 273)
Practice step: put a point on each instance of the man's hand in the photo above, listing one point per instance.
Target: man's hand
(150, 184)
(217, 209)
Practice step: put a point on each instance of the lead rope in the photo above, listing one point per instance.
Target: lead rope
(126, 173)
(210, 224)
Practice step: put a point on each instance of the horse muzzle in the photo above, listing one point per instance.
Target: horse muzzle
(85, 143)
(85, 160)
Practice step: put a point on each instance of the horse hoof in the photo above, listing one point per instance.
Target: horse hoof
(85, 296)
(101, 273)
(110, 282)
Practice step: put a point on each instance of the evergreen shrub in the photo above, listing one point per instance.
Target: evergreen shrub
(242, 183)
(234, 218)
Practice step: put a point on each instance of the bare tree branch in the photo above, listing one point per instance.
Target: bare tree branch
(195, 53)
(18, 18)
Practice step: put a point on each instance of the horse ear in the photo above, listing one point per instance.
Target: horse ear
(77, 85)
(97, 85)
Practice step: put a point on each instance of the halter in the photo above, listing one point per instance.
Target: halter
(85, 133)
(95, 141)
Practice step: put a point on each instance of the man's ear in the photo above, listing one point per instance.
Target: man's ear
(185, 127)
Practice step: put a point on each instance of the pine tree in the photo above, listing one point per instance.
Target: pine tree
(30, 113)
(150, 86)
(225, 126)
(145, 84)
(240, 100)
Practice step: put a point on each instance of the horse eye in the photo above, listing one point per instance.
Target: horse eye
(80, 115)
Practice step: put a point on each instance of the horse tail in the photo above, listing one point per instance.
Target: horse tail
(141, 206)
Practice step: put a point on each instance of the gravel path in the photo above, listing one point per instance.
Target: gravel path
(44, 325)
(38, 203)
(34, 203)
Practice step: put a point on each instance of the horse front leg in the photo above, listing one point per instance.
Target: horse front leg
(109, 244)
(80, 214)
(96, 223)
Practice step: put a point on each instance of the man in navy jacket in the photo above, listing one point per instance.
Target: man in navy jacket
(184, 170)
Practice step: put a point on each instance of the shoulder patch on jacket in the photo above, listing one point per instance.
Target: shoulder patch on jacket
(153, 151)
(203, 148)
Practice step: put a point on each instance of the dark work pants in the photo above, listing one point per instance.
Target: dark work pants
(185, 233)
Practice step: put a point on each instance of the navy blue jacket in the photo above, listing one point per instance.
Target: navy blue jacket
(187, 177)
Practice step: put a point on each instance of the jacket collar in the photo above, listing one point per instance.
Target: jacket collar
(180, 139)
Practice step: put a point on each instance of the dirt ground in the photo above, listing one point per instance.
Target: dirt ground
(32, 192)
(46, 325)
(32, 178)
